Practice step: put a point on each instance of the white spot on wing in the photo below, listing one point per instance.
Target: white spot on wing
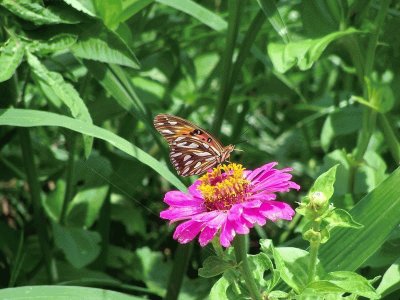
(189, 162)
(193, 145)
(173, 154)
(167, 131)
(197, 165)
(179, 138)
(206, 146)
(185, 170)
(187, 157)
(172, 123)
(209, 159)
(202, 153)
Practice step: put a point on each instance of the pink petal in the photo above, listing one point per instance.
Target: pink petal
(178, 198)
(227, 234)
(274, 210)
(180, 213)
(253, 215)
(252, 175)
(187, 231)
(194, 191)
(207, 235)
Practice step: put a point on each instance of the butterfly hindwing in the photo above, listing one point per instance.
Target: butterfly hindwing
(193, 149)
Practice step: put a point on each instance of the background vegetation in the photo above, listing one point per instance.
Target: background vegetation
(309, 84)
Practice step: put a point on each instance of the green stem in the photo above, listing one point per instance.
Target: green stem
(369, 115)
(179, 268)
(34, 189)
(241, 257)
(70, 176)
(232, 32)
(390, 137)
(314, 247)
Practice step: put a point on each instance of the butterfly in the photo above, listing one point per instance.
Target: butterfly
(193, 150)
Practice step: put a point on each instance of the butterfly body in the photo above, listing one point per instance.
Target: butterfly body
(193, 150)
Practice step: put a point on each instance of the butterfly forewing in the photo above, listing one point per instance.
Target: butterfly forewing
(193, 150)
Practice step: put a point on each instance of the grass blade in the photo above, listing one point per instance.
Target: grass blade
(34, 118)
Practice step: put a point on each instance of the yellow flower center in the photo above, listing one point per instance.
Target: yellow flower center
(224, 186)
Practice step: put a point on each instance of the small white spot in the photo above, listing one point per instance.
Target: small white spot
(179, 138)
(193, 145)
(185, 170)
(206, 146)
(189, 162)
(182, 144)
(172, 123)
(159, 124)
(202, 153)
(209, 159)
(173, 154)
(167, 131)
(187, 157)
(197, 165)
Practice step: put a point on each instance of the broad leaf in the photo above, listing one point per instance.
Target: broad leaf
(64, 92)
(302, 53)
(391, 280)
(96, 42)
(81, 247)
(45, 292)
(36, 13)
(214, 265)
(11, 54)
(379, 212)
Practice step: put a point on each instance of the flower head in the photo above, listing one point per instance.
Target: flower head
(229, 200)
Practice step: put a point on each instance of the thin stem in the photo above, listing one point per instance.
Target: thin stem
(232, 32)
(314, 247)
(241, 257)
(70, 175)
(179, 268)
(34, 189)
(369, 115)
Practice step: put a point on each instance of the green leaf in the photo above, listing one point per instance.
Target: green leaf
(260, 263)
(302, 53)
(130, 216)
(84, 208)
(55, 43)
(53, 203)
(81, 247)
(324, 183)
(34, 12)
(352, 283)
(96, 42)
(11, 55)
(85, 6)
(45, 292)
(380, 95)
(341, 122)
(275, 18)
(64, 92)
(214, 265)
(132, 7)
(391, 280)
(33, 118)
(379, 212)
(109, 12)
(218, 291)
(341, 218)
(197, 11)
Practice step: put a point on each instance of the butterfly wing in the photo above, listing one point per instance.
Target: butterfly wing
(193, 150)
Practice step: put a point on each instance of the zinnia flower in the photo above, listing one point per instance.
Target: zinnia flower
(229, 200)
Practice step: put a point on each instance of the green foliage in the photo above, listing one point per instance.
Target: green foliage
(311, 84)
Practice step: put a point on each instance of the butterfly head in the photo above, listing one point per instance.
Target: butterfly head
(227, 152)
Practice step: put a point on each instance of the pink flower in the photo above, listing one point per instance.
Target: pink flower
(229, 200)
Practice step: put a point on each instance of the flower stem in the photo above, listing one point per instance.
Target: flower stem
(315, 242)
(241, 256)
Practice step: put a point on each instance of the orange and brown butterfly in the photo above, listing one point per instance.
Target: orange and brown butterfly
(193, 150)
